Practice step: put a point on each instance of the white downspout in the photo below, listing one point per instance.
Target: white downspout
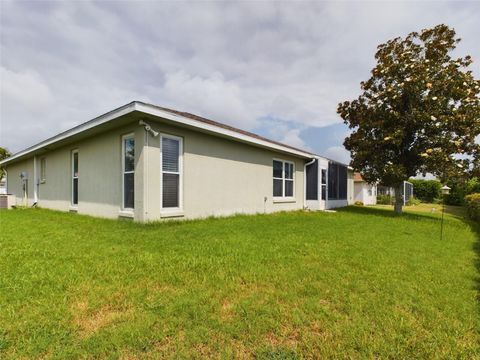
(148, 129)
(145, 181)
(35, 181)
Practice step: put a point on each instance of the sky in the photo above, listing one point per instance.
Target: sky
(278, 69)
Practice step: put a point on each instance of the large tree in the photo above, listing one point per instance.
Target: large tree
(418, 113)
(4, 153)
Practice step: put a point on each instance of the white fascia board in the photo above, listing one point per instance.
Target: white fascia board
(152, 110)
(76, 130)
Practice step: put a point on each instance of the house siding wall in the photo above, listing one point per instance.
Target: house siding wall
(14, 183)
(220, 177)
(100, 175)
(361, 193)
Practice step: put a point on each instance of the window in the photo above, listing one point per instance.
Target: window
(312, 181)
(337, 182)
(128, 167)
(324, 184)
(332, 181)
(171, 171)
(43, 169)
(75, 177)
(283, 180)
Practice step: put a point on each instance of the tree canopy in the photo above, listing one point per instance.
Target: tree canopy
(4, 153)
(419, 112)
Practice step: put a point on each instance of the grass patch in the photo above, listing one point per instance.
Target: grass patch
(361, 282)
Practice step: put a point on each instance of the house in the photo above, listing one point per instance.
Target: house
(364, 192)
(3, 185)
(146, 162)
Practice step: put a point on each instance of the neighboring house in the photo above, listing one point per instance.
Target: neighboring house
(148, 163)
(3, 185)
(363, 191)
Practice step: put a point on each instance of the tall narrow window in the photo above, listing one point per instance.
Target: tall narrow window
(283, 178)
(324, 184)
(43, 170)
(128, 146)
(75, 177)
(277, 178)
(171, 171)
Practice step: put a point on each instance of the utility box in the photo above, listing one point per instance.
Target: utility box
(7, 201)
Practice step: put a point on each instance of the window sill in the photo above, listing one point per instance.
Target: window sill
(284, 200)
(173, 213)
(126, 213)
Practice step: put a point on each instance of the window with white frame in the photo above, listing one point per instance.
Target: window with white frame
(128, 167)
(43, 170)
(171, 171)
(283, 179)
(75, 177)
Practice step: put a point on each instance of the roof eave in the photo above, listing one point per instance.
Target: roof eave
(155, 111)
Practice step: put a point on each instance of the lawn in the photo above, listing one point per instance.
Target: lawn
(358, 283)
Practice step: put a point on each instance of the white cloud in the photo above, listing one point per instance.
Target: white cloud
(292, 138)
(233, 62)
(213, 97)
(338, 153)
(24, 89)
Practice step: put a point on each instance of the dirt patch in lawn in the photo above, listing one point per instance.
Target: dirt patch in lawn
(88, 322)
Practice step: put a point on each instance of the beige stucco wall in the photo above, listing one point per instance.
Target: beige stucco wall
(14, 183)
(100, 180)
(220, 177)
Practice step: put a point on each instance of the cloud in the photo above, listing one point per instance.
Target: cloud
(338, 153)
(24, 89)
(185, 91)
(237, 63)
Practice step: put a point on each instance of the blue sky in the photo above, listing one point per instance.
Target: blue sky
(275, 68)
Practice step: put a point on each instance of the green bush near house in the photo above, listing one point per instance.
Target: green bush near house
(384, 199)
(413, 201)
(426, 190)
(472, 202)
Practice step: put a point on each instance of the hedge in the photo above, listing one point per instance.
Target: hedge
(426, 190)
(460, 189)
(472, 202)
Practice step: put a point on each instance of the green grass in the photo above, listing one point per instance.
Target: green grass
(359, 283)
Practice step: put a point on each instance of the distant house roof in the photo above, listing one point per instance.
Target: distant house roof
(357, 177)
(175, 116)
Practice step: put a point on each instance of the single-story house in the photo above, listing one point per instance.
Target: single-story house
(364, 192)
(148, 163)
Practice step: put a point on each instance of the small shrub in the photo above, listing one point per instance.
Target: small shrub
(384, 199)
(473, 206)
(359, 203)
(413, 201)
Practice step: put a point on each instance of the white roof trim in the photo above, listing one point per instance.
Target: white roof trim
(153, 110)
(73, 131)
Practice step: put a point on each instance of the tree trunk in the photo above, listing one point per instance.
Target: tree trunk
(398, 198)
